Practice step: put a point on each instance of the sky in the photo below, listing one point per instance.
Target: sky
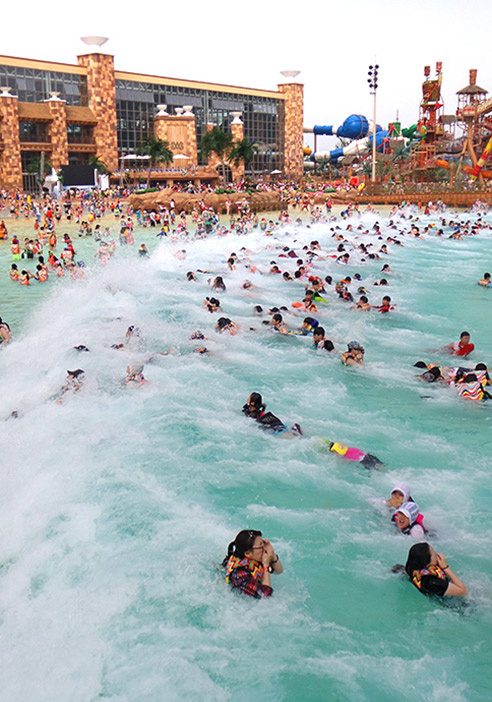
(248, 44)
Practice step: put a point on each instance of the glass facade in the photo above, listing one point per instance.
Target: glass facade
(35, 85)
(136, 106)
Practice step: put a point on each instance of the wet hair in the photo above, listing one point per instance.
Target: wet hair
(190, 276)
(470, 378)
(308, 320)
(76, 373)
(197, 335)
(480, 366)
(418, 557)
(255, 399)
(464, 333)
(387, 298)
(297, 274)
(329, 279)
(81, 347)
(277, 317)
(431, 375)
(243, 542)
(223, 322)
(258, 309)
(218, 283)
(319, 331)
(328, 345)
(363, 298)
(420, 364)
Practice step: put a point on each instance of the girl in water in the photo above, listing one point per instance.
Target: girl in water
(249, 562)
(431, 574)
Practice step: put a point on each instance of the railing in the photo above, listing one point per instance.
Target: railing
(80, 139)
(34, 138)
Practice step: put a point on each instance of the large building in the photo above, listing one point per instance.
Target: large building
(72, 112)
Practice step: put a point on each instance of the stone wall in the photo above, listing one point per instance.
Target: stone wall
(10, 161)
(237, 131)
(180, 132)
(101, 90)
(292, 123)
(58, 133)
(258, 202)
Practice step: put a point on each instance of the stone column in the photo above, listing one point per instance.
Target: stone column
(58, 132)
(237, 131)
(101, 89)
(191, 148)
(10, 157)
(293, 123)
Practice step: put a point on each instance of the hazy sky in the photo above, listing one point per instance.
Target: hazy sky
(248, 44)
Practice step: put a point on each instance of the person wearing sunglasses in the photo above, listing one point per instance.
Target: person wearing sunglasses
(249, 563)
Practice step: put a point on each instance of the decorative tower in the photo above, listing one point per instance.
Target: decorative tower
(10, 163)
(292, 123)
(101, 91)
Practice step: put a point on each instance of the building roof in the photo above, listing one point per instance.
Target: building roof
(472, 90)
(34, 111)
(139, 77)
(80, 115)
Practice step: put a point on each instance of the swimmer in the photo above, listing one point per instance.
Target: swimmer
(354, 356)
(219, 284)
(354, 454)
(409, 521)
(134, 375)
(190, 276)
(463, 347)
(399, 494)
(431, 375)
(485, 282)
(318, 337)
(212, 304)
(362, 305)
(385, 305)
(249, 562)
(143, 251)
(431, 574)
(470, 388)
(255, 409)
(74, 382)
(5, 333)
(81, 347)
(278, 324)
(226, 324)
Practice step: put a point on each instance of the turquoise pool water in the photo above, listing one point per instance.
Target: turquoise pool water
(117, 505)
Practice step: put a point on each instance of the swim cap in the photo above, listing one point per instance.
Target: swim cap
(402, 488)
(410, 510)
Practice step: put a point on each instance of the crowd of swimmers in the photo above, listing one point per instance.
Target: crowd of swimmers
(251, 559)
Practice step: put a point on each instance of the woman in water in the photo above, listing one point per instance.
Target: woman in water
(249, 562)
(430, 573)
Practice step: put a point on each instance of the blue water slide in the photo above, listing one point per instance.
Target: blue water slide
(354, 127)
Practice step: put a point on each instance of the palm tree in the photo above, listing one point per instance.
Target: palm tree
(41, 167)
(243, 150)
(101, 167)
(158, 151)
(217, 142)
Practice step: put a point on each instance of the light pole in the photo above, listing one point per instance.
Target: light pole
(373, 84)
